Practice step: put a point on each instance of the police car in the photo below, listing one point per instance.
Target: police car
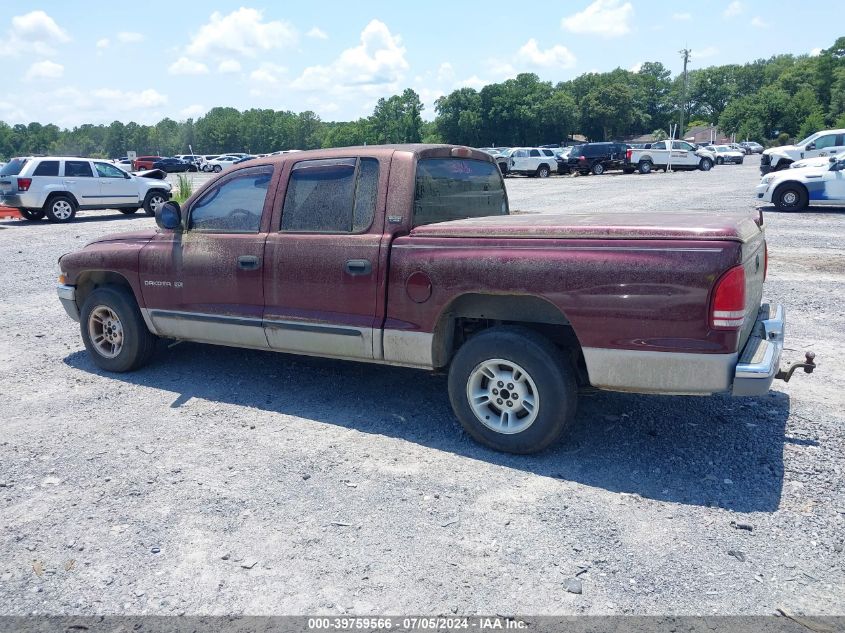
(795, 189)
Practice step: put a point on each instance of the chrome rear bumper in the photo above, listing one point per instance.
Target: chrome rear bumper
(759, 361)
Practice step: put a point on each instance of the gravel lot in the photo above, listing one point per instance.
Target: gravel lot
(227, 481)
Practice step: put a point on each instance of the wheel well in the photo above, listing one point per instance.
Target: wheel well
(793, 183)
(53, 194)
(472, 313)
(88, 281)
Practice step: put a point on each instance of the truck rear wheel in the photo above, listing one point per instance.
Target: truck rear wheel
(644, 167)
(32, 214)
(114, 331)
(512, 390)
(60, 209)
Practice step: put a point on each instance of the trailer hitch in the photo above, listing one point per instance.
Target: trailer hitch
(808, 366)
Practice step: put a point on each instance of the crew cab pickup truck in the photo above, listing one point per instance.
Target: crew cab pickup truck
(407, 255)
(662, 154)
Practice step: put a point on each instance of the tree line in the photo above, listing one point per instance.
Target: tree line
(768, 100)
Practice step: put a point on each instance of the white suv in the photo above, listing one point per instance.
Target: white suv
(58, 187)
(818, 145)
(531, 161)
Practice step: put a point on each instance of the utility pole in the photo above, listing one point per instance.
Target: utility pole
(685, 53)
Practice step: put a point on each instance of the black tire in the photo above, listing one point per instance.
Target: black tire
(705, 164)
(137, 344)
(60, 209)
(628, 170)
(597, 169)
(150, 200)
(741, 160)
(791, 196)
(543, 171)
(217, 169)
(644, 166)
(556, 390)
(33, 215)
(127, 211)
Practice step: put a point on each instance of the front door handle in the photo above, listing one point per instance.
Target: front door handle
(358, 267)
(248, 262)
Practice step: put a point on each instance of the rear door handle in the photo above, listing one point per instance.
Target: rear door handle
(358, 267)
(248, 262)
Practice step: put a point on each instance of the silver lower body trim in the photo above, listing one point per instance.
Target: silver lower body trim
(668, 373)
(412, 349)
(67, 295)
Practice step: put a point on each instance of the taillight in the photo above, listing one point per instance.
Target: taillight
(728, 306)
(628, 154)
(765, 259)
(582, 158)
(24, 184)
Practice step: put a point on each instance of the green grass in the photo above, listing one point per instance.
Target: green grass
(184, 189)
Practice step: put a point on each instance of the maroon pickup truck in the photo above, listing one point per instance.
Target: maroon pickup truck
(407, 255)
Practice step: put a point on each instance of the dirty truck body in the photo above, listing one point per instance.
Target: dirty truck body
(407, 255)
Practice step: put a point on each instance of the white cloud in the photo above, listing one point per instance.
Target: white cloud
(129, 100)
(45, 70)
(242, 32)
(445, 72)
(317, 34)
(185, 66)
(192, 111)
(708, 51)
(129, 37)
(268, 73)
(816, 52)
(682, 17)
(103, 43)
(229, 66)
(556, 57)
(636, 67)
(33, 32)
(376, 65)
(758, 22)
(734, 9)
(608, 18)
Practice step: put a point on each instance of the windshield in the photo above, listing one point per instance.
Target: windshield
(808, 140)
(455, 189)
(13, 167)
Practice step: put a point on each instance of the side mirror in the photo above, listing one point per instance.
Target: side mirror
(169, 216)
(810, 147)
(832, 159)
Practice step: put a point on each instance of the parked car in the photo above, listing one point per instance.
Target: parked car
(824, 143)
(532, 161)
(562, 158)
(662, 154)
(597, 158)
(819, 161)
(144, 162)
(57, 187)
(727, 154)
(796, 189)
(220, 163)
(124, 163)
(752, 147)
(174, 165)
(516, 346)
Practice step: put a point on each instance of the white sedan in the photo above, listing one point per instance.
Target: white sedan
(726, 154)
(818, 161)
(220, 163)
(796, 189)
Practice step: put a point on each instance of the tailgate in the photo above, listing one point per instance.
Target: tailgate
(754, 263)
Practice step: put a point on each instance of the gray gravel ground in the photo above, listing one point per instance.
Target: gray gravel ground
(220, 480)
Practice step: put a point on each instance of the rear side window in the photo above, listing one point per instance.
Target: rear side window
(331, 196)
(236, 205)
(454, 189)
(13, 167)
(78, 169)
(47, 168)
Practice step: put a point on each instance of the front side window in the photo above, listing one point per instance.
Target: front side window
(47, 168)
(331, 196)
(234, 206)
(454, 189)
(104, 170)
(824, 142)
(78, 169)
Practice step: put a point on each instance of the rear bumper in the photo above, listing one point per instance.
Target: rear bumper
(760, 359)
(67, 295)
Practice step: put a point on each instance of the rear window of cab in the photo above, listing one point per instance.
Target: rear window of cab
(455, 189)
(13, 167)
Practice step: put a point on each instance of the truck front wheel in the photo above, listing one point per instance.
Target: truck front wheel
(114, 331)
(512, 390)
(705, 165)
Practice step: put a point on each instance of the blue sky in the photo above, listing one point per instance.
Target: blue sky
(144, 61)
